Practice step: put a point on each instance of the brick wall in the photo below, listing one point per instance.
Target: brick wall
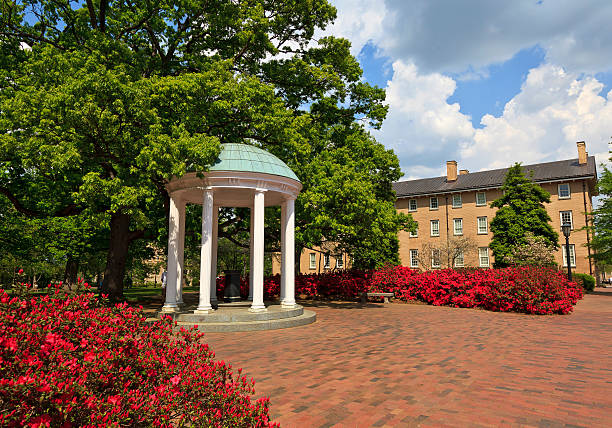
(470, 211)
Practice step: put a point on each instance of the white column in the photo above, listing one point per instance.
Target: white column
(283, 249)
(213, 262)
(258, 251)
(288, 253)
(180, 267)
(204, 306)
(251, 256)
(173, 238)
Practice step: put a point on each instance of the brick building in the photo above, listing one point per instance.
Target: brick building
(457, 206)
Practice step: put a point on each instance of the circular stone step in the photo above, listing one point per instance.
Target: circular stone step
(238, 318)
(307, 317)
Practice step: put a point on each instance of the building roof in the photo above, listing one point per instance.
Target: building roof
(542, 172)
(246, 158)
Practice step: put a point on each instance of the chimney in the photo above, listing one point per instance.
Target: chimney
(463, 171)
(451, 170)
(582, 154)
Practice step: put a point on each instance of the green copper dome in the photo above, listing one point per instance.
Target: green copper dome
(245, 158)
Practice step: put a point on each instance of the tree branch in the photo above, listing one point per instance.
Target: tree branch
(66, 211)
(92, 14)
(103, 5)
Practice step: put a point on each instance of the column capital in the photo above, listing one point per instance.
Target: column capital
(177, 198)
(206, 188)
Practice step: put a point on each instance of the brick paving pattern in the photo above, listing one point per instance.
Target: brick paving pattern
(417, 365)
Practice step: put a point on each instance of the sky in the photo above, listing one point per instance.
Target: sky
(485, 82)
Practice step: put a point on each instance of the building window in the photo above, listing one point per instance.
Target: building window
(457, 201)
(414, 258)
(313, 261)
(326, 262)
(458, 223)
(481, 199)
(572, 256)
(435, 227)
(339, 262)
(412, 205)
(566, 217)
(459, 259)
(483, 257)
(415, 233)
(483, 226)
(435, 258)
(564, 191)
(433, 203)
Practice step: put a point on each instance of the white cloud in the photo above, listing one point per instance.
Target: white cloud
(542, 123)
(421, 126)
(454, 36)
(558, 104)
(360, 21)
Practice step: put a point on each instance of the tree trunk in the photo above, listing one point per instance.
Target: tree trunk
(117, 256)
(297, 261)
(71, 271)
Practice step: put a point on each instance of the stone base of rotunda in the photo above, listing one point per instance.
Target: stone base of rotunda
(237, 317)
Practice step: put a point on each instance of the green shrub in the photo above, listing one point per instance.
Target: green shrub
(588, 281)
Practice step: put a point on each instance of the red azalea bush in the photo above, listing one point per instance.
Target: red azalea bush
(339, 284)
(66, 360)
(527, 289)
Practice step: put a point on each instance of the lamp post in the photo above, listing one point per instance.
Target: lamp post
(566, 228)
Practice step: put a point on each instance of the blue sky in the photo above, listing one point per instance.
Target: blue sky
(485, 83)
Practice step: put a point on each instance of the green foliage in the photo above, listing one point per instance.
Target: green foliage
(114, 99)
(521, 210)
(587, 281)
(602, 221)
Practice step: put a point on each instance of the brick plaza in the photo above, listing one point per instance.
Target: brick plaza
(417, 365)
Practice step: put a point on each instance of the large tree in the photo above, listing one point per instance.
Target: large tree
(521, 211)
(102, 103)
(602, 222)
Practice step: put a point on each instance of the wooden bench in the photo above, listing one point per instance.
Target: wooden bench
(386, 296)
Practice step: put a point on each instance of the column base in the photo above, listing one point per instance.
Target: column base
(170, 308)
(258, 309)
(288, 305)
(203, 311)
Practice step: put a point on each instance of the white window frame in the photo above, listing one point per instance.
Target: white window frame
(458, 231)
(414, 234)
(410, 208)
(339, 262)
(431, 226)
(484, 202)
(486, 226)
(433, 258)
(457, 201)
(313, 260)
(569, 191)
(459, 260)
(482, 257)
(571, 218)
(431, 204)
(572, 255)
(326, 261)
(414, 258)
